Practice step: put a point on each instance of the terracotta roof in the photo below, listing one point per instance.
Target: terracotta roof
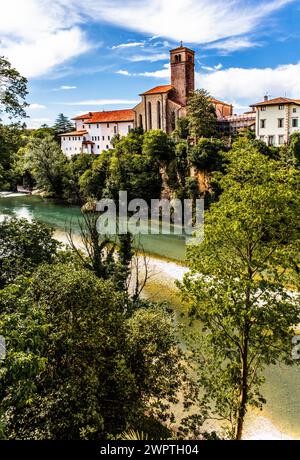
(88, 142)
(158, 90)
(83, 117)
(216, 101)
(276, 101)
(110, 116)
(75, 133)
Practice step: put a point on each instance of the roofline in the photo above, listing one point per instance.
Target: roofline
(182, 48)
(285, 102)
(146, 93)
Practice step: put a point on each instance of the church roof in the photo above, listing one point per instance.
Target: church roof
(158, 90)
(216, 101)
(107, 116)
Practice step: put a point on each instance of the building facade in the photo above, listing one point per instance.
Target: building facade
(277, 119)
(161, 106)
(95, 131)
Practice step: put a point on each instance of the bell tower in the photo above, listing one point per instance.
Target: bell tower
(182, 72)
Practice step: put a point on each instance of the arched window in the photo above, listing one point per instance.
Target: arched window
(141, 121)
(149, 115)
(173, 121)
(158, 115)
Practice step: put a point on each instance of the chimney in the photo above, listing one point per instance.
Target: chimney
(266, 98)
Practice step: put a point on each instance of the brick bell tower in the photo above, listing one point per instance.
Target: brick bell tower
(182, 72)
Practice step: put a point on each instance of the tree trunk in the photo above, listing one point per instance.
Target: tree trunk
(244, 394)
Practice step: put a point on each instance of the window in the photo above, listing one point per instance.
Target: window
(89, 126)
(64, 138)
(141, 121)
(107, 125)
(115, 129)
(129, 128)
(159, 115)
(263, 109)
(98, 146)
(108, 138)
(98, 138)
(280, 140)
(107, 147)
(280, 122)
(294, 110)
(97, 126)
(103, 138)
(262, 123)
(173, 121)
(295, 122)
(271, 140)
(83, 126)
(281, 107)
(149, 115)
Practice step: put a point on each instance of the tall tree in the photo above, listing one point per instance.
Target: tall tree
(48, 165)
(63, 124)
(201, 115)
(239, 280)
(13, 91)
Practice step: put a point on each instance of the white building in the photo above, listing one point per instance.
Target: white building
(95, 130)
(277, 119)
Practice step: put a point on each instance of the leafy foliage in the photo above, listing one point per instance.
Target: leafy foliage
(13, 91)
(24, 246)
(238, 283)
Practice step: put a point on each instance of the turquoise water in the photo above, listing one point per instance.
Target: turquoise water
(282, 388)
(62, 216)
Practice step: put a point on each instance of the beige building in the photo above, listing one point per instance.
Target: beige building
(277, 119)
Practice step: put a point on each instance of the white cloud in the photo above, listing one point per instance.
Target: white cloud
(246, 86)
(162, 73)
(123, 72)
(37, 35)
(36, 107)
(101, 102)
(149, 57)
(232, 44)
(34, 123)
(128, 45)
(198, 21)
(212, 69)
(67, 88)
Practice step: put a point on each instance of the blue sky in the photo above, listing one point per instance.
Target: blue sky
(100, 54)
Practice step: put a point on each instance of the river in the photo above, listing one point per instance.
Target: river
(280, 417)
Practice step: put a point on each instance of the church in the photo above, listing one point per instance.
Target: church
(161, 106)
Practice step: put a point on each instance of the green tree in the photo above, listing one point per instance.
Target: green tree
(206, 155)
(238, 284)
(294, 148)
(12, 138)
(93, 371)
(182, 128)
(201, 115)
(13, 91)
(47, 164)
(63, 124)
(159, 146)
(24, 246)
